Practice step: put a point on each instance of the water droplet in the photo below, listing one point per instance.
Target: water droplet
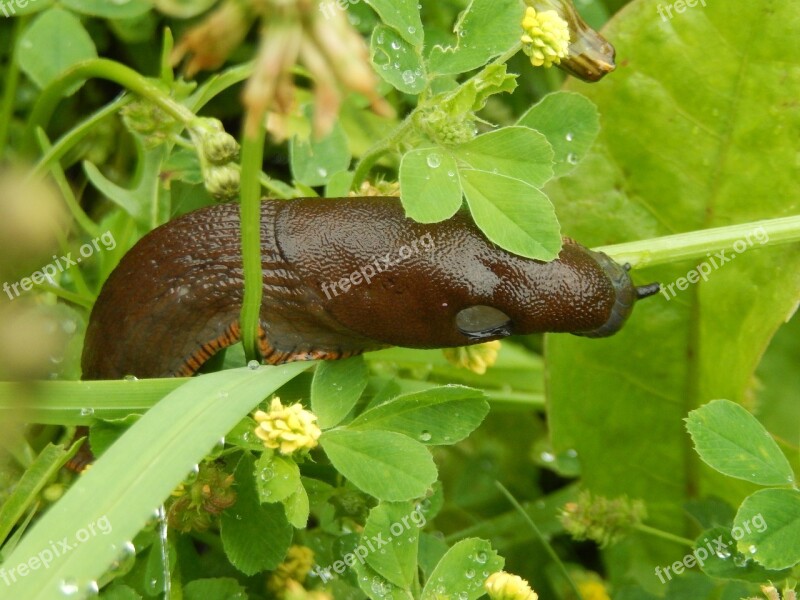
(450, 174)
(409, 77)
(572, 453)
(481, 557)
(469, 574)
(752, 549)
(434, 160)
(322, 172)
(266, 474)
(380, 37)
(572, 158)
(547, 457)
(69, 587)
(723, 554)
(395, 45)
(130, 378)
(91, 589)
(425, 436)
(570, 137)
(87, 412)
(463, 596)
(740, 560)
(253, 365)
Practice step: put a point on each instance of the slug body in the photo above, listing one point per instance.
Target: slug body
(340, 277)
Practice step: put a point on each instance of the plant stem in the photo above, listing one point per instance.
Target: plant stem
(548, 548)
(103, 69)
(250, 218)
(664, 535)
(12, 79)
(698, 244)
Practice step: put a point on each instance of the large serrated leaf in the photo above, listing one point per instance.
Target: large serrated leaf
(698, 131)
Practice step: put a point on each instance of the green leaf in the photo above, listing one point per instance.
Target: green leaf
(768, 525)
(483, 31)
(403, 16)
(110, 10)
(314, 162)
(298, 508)
(335, 389)
(140, 471)
(221, 588)
(570, 122)
(429, 185)
(727, 562)
(442, 415)
(387, 465)
(54, 42)
(277, 477)
(377, 587)
(26, 490)
(397, 61)
(694, 159)
(516, 152)
(392, 529)
(732, 441)
(255, 536)
(512, 214)
(462, 571)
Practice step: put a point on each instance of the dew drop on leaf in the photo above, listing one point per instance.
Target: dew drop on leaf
(434, 160)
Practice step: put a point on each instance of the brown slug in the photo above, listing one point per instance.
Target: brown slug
(339, 277)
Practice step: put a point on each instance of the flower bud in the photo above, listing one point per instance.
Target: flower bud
(287, 429)
(506, 586)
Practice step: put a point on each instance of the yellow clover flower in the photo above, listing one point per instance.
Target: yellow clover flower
(506, 586)
(475, 358)
(287, 428)
(546, 38)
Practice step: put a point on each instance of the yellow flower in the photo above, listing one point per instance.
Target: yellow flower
(292, 572)
(505, 586)
(288, 428)
(593, 590)
(546, 37)
(475, 358)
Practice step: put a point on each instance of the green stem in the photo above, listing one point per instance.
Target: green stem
(103, 69)
(11, 81)
(699, 244)
(250, 217)
(548, 548)
(72, 203)
(65, 295)
(664, 535)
